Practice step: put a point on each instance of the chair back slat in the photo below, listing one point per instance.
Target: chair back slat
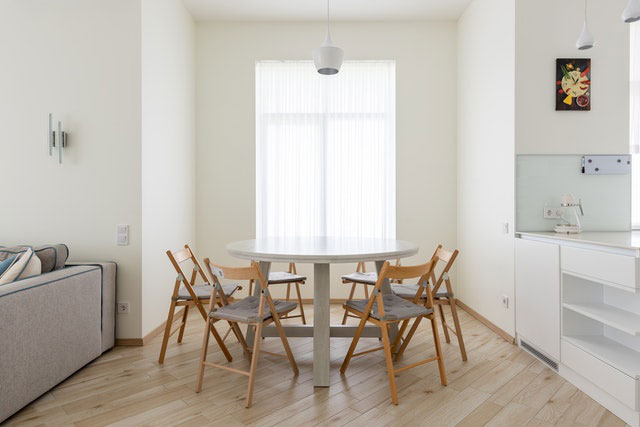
(397, 272)
(448, 258)
(182, 255)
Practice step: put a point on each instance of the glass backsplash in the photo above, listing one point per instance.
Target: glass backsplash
(542, 180)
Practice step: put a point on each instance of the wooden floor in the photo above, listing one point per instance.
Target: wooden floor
(500, 385)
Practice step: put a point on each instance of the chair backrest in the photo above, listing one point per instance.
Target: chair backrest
(396, 272)
(448, 258)
(177, 258)
(251, 273)
(362, 268)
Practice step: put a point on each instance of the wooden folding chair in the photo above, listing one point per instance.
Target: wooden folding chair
(290, 277)
(360, 277)
(250, 310)
(385, 310)
(441, 298)
(187, 294)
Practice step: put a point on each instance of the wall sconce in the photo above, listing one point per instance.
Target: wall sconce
(56, 138)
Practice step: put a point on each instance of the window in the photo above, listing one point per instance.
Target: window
(325, 150)
(635, 125)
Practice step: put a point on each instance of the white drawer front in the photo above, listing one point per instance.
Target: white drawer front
(621, 386)
(620, 269)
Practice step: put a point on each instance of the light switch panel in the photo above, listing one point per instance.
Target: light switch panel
(122, 234)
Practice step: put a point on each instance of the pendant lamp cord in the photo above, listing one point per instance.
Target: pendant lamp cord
(585, 11)
(328, 30)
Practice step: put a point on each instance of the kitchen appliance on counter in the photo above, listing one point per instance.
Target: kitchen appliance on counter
(570, 215)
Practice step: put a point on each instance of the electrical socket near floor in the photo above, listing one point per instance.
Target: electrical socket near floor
(505, 301)
(123, 307)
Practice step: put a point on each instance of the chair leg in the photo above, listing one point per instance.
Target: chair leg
(167, 331)
(304, 321)
(346, 313)
(412, 331)
(444, 324)
(366, 291)
(288, 291)
(184, 323)
(456, 322)
(387, 355)
(254, 364)
(436, 340)
(285, 344)
(353, 345)
(203, 357)
(399, 336)
(218, 338)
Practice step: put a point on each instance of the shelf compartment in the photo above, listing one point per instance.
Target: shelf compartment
(620, 357)
(609, 315)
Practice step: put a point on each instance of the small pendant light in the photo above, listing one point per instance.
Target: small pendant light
(328, 58)
(586, 41)
(631, 12)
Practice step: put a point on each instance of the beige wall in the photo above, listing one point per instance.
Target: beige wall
(80, 60)
(168, 149)
(425, 55)
(546, 30)
(486, 59)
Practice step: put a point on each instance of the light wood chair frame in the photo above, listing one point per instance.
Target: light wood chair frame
(396, 272)
(448, 258)
(360, 268)
(177, 258)
(243, 273)
(292, 270)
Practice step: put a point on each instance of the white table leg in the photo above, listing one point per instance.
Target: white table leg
(321, 325)
(386, 290)
(265, 267)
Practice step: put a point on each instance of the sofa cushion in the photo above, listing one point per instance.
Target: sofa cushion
(52, 257)
(27, 265)
(4, 265)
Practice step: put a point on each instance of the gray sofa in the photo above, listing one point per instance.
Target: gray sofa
(51, 325)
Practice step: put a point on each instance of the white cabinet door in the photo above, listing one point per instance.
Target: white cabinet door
(538, 295)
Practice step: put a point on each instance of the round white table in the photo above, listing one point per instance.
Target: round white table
(320, 251)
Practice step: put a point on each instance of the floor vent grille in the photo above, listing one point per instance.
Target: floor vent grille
(553, 365)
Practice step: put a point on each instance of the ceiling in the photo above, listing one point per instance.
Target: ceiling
(315, 10)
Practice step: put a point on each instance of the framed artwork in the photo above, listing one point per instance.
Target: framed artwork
(573, 84)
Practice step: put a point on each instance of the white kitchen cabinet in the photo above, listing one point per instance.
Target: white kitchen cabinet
(538, 296)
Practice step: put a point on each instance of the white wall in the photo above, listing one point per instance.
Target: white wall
(486, 65)
(168, 149)
(425, 55)
(546, 30)
(80, 60)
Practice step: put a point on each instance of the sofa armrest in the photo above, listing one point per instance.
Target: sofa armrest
(109, 289)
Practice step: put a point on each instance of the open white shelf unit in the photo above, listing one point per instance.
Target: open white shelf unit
(603, 321)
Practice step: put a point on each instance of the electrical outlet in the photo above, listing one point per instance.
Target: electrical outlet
(552, 213)
(123, 308)
(505, 301)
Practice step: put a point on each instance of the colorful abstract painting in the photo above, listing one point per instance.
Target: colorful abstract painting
(573, 84)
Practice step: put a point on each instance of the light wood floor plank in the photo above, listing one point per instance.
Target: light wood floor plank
(499, 385)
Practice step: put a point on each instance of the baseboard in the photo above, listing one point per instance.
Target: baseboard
(132, 342)
(310, 300)
(504, 334)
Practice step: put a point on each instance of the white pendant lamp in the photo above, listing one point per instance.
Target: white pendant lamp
(586, 41)
(631, 12)
(328, 58)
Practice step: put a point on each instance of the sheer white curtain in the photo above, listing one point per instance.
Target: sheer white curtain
(635, 125)
(325, 150)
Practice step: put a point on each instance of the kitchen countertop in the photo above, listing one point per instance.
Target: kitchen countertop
(615, 239)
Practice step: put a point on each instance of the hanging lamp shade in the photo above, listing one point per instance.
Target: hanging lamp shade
(586, 40)
(631, 12)
(328, 58)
